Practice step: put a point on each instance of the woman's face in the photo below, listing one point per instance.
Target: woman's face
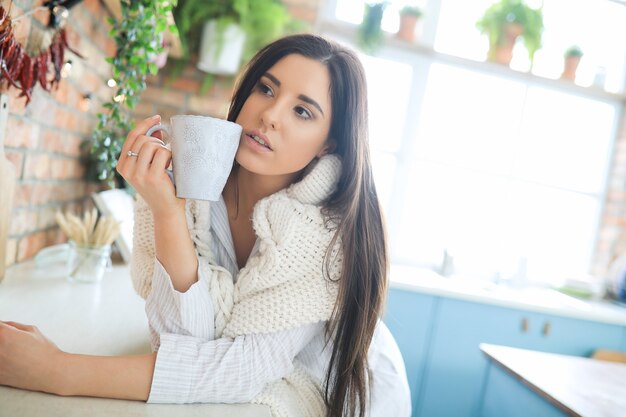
(286, 118)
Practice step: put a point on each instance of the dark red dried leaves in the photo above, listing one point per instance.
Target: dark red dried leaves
(22, 71)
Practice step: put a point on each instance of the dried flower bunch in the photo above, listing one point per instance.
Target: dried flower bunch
(90, 231)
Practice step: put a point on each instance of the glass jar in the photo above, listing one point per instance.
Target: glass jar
(87, 263)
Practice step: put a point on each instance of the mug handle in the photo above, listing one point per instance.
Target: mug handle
(167, 130)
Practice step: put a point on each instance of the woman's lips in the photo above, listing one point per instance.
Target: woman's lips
(256, 145)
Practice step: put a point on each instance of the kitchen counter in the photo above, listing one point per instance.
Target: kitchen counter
(105, 318)
(543, 300)
(574, 386)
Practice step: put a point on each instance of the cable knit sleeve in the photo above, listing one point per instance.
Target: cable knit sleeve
(143, 256)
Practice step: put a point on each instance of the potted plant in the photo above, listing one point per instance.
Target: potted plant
(504, 22)
(370, 34)
(571, 59)
(227, 33)
(409, 15)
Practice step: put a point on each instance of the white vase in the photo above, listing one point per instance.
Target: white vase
(221, 59)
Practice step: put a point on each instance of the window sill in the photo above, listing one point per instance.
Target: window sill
(348, 31)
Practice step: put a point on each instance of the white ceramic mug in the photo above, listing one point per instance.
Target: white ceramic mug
(203, 150)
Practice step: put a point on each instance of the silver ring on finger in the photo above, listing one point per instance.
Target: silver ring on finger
(132, 154)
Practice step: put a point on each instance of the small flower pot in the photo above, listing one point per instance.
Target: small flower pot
(503, 52)
(406, 32)
(570, 65)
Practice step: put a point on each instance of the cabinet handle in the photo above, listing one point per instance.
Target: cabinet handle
(524, 325)
(546, 328)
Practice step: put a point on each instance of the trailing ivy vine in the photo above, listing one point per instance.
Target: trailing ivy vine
(137, 37)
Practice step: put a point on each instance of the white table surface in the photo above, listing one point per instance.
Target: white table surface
(106, 318)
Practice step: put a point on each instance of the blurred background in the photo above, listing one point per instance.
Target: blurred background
(491, 163)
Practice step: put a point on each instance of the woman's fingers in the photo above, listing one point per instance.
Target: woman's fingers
(19, 326)
(141, 128)
(160, 162)
(145, 159)
(128, 165)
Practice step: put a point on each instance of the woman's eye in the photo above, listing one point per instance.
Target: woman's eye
(303, 113)
(264, 89)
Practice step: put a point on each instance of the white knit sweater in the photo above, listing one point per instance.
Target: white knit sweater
(281, 287)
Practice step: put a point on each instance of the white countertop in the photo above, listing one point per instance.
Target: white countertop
(105, 318)
(542, 300)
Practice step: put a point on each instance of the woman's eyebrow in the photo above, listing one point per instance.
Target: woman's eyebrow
(302, 97)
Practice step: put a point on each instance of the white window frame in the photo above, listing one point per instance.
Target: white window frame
(421, 56)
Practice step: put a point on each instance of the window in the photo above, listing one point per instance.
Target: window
(505, 172)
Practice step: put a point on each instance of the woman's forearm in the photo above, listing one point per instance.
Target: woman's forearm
(175, 250)
(121, 377)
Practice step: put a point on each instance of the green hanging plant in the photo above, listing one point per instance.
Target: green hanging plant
(138, 38)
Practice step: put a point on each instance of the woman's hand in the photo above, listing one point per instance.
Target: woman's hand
(28, 360)
(145, 169)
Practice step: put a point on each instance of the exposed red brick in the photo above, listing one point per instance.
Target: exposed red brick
(29, 245)
(51, 140)
(17, 159)
(37, 166)
(186, 84)
(23, 194)
(23, 221)
(16, 103)
(21, 133)
(160, 96)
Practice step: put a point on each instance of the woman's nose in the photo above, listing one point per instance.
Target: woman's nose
(271, 116)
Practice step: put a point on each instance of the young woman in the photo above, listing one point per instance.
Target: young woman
(273, 294)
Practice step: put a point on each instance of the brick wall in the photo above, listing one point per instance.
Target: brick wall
(43, 139)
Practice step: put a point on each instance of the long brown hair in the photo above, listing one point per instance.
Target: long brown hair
(354, 205)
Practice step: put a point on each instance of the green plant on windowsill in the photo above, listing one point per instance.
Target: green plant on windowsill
(411, 11)
(261, 20)
(504, 21)
(137, 37)
(370, 35)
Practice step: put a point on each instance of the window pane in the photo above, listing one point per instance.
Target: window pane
(565, 141)
(384, 167)
(554, 229)
(454, 209)
(388, 84)
(469, 119)
(598, 27)
(456, 31)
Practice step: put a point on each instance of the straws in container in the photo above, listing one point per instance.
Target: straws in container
(90, 243)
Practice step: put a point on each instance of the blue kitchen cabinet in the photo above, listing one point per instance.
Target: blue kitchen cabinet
(623, 346)
(409, 317)
(456, 370)
(455, 367)
(576, 337)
